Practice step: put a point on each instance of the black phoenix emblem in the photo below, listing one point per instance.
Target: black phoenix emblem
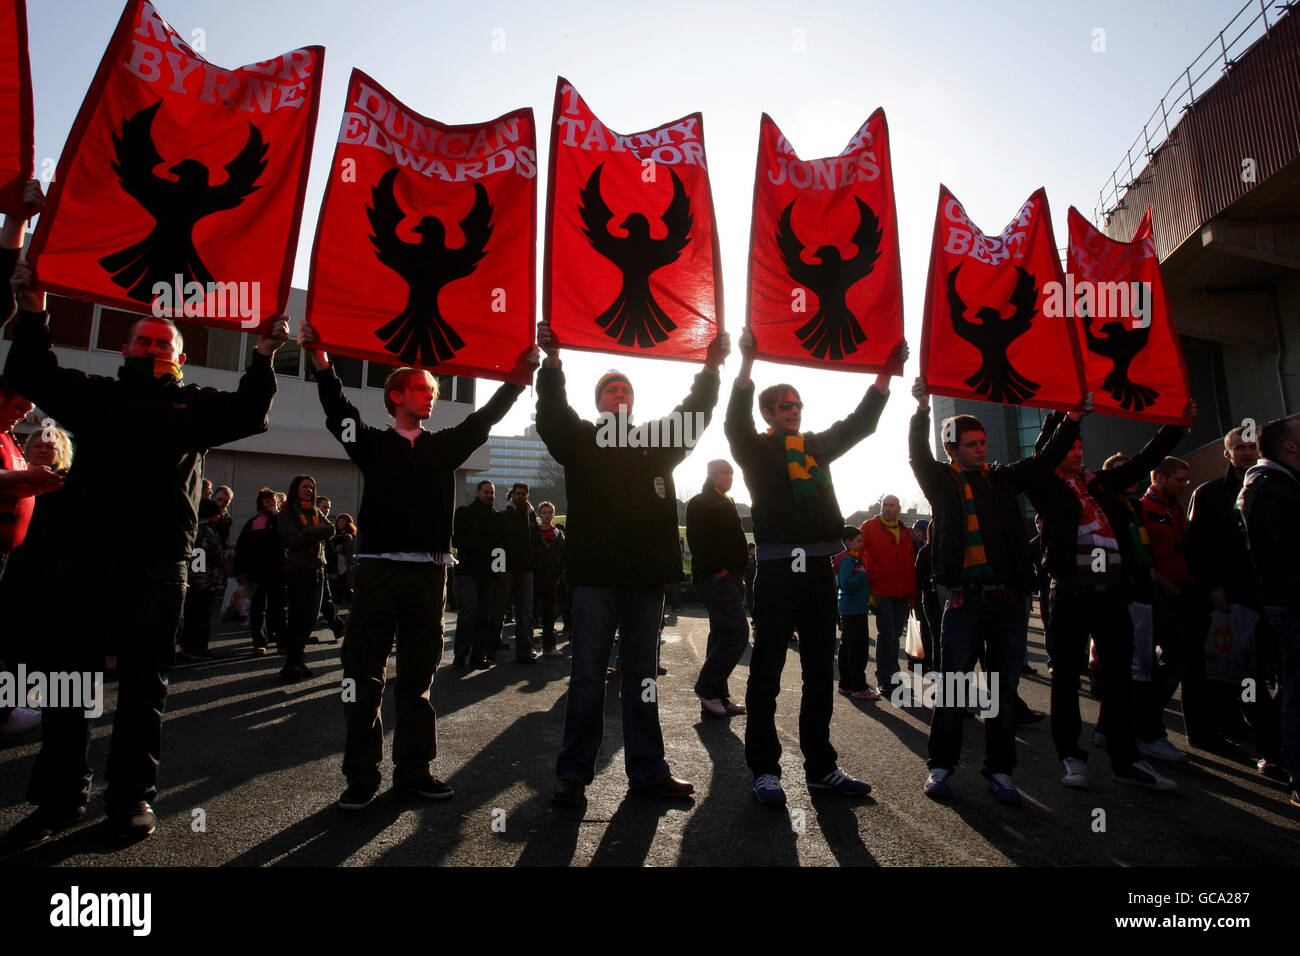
(419, 335)
(996, 379)
(834, 331)
(176, 205)
(1121, 345)
(635, 318)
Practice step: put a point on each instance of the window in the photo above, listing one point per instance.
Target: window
(114, 327)
(70, 321)
(286, 361)
(465, 390)
(348, 370)
(377, 373)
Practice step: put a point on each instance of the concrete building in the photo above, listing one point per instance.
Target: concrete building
(90, 338)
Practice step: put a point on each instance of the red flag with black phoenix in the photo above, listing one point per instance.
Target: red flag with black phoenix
(990, 333)
(1132, 358)
(825, 281)
(181, 184)
(631, 245)
(438, 224)
(17, 150)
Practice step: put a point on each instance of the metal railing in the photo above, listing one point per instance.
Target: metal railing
(1180, 97)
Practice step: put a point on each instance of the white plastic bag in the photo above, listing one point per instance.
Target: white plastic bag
(236, 601)
(914, 647)
(1230, 644)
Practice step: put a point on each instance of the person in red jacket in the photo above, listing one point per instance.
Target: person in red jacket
(890, 556)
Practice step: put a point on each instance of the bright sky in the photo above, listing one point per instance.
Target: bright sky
(994, 99)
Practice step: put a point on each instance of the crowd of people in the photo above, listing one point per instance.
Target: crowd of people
(1126, 581)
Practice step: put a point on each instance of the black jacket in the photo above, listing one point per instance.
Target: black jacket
(1060, 509)
(259, 556)
(137, 435)
(1217, 553)
(622, 501)
(409, 492)
(1269, 504)
(520, 527)
(715, 534)
(778, 518)
(548, 559)
(942, 488)
(478, 533)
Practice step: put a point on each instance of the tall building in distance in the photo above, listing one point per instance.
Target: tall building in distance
(523, 458)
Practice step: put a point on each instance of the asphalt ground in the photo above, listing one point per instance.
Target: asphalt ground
(251, 773)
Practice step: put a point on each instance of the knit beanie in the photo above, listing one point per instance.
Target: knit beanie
(611, 376)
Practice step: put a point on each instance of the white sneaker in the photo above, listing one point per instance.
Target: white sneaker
(1142, 774)
(1076, 773)
(1162, 749)
(21, 720)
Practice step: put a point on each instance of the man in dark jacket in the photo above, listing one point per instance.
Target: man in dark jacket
(407, 500)
(621, 555)
(259, 560)
(519, 522)
(479, 537)
(980, 553)
(1269, 504)
(1219, 559)
(1085, 551)
(147, 418)
(797, 525)
(718, 555)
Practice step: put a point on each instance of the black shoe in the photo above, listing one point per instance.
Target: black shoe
(292, 673)
(430, 788)
(530, 659)
(670, 788)
(569, 793)
(1028, 716)
(480, 664)
(1028, 669)
(135, 823)
(458, 663)
(1273, 768)
(39, 826)
(1216, 744)
(356, 797)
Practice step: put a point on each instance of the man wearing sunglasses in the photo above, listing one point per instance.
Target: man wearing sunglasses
(797, 524)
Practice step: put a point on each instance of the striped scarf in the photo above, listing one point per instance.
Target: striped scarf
(807, 478)
(313, 519)
(975, 567)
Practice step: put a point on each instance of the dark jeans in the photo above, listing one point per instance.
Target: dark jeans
(1180, 630)
(147, 600)
(267, 603)
(196, 625)
(1076, 614)
(635, 613)
(728, 634)
(302, 590)
(401, 599)
(891, 624)
(517, 592)
(476, 600)
(1285, 624)
(327, 609)
(855, 644)
(997, 630)
(544, 592)
(786, 600)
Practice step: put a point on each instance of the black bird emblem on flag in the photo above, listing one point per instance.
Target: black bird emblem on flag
(176, 205)
(996, 379)
(635, 318)
(1121, 346)
(834, 330)
(420, 334)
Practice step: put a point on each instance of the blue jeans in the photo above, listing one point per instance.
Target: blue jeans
(891, 622)
(1286, 626)
(966, 629)
(728, 634)
(635, 613)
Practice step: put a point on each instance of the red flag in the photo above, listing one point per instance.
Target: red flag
(986, 335)
(179, 168)
(631, 247)
(1133, 360)
(17, 150)
(438, 225)
(825, 283)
